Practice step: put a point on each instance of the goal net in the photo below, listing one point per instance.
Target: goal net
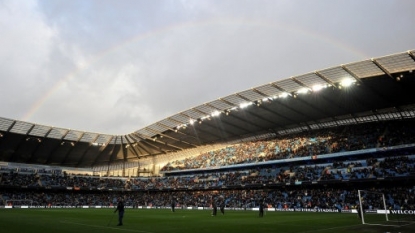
(374, 211)
(19, 202)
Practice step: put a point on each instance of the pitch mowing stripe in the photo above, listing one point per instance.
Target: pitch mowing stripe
(97, 226)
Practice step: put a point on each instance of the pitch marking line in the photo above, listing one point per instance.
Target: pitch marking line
(97, 226)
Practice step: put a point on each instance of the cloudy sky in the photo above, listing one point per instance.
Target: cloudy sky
(117, 66)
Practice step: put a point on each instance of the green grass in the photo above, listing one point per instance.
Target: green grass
(182, 221)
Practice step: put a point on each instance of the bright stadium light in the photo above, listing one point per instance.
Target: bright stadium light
(303, 90)
(284, 95)
(191, 121)
(347, 82)
(244, 105)
(205, 117)
(317, 87)
(215, 113)
(181, 126)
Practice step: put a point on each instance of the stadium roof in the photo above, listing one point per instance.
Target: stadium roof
(371, 90)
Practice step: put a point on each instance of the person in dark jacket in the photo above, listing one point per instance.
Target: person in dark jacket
(222, 206)
(120, 209)
(214, 207)
(173, 204)
(261, 208)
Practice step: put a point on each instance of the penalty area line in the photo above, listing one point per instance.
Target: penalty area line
(104, 227)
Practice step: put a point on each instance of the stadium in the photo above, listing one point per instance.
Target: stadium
(310, 150)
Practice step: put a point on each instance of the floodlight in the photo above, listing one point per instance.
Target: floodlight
(284, 95)
(347, 82)
(215, 113)
(244, 105)
(302, 90)
(317, 87)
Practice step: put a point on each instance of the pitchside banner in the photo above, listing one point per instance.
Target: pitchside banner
(410, 212)
(308, 210)
(353, 211)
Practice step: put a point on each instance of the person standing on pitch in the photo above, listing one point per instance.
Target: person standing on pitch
(120, 209)
(222, 205)
(261, 208)
(173, 204)
(214, 207)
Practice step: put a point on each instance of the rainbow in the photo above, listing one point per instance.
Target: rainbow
(189, 25)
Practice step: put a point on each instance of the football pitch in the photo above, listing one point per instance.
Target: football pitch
(182, 221)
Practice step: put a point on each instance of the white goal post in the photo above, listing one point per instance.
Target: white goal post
(372, 201)
(374, 211)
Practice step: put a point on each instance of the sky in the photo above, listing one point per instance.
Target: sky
(115, 67)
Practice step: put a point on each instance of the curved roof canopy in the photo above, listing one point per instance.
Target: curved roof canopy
(371, 90)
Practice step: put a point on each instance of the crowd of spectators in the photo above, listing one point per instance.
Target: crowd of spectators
(371, 168)
(310, 143)
(157, 191)
(203, 185)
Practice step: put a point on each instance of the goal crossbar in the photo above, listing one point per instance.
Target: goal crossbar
(367, 197)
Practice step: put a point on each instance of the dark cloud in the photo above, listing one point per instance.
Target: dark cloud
(115, 67)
